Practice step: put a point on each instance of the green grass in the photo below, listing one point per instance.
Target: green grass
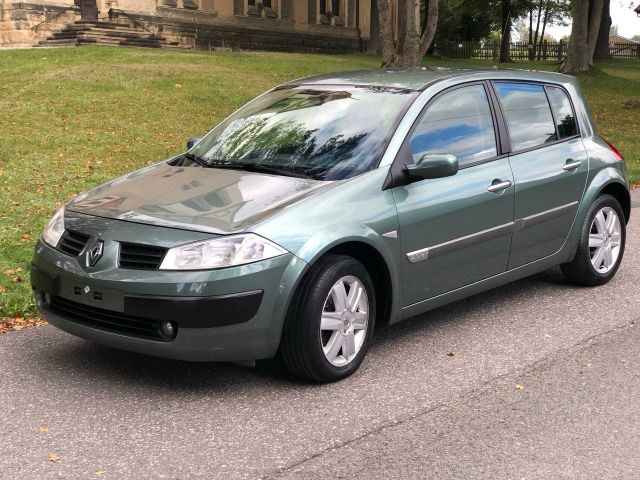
(73, 118)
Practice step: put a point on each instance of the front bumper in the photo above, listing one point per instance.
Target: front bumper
(232, 314)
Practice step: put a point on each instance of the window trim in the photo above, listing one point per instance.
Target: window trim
(544, 86)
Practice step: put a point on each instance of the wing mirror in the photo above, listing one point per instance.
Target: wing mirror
(434, 165)
(192, 141)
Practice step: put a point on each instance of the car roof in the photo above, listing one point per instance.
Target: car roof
(421, 77)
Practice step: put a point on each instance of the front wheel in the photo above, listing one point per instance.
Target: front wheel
(330, 324)
(601, 244)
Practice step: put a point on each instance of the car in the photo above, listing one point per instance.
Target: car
(333, 205)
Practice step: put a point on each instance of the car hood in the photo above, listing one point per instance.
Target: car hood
(193, 198)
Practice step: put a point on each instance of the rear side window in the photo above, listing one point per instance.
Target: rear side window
(562, 112)
(458, 123)
(527, 113)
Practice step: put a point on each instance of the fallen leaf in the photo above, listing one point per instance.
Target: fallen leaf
(17, 279)
(178, 85)
(3, 289)
(53, 457)
(451, 354)
(12, 271)
(99, 473)
(519, 387)
(547, 335)
(42, 429)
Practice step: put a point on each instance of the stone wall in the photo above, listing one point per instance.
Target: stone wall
(23, 24)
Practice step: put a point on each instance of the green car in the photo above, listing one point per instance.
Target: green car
(335, 204)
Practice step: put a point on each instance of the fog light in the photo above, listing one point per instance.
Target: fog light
(168, 329)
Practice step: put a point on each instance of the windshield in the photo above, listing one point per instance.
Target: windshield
(326, 133)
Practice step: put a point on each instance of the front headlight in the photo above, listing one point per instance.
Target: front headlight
(221, 252)
(54, 229)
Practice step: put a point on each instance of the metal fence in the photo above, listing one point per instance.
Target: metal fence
(488, 50)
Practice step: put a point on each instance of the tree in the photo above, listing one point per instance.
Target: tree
(606, 29)
(584, 33)
(505, 30)
(415, 32)
(465, 20)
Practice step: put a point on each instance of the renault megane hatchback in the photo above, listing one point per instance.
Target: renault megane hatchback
(335, 204)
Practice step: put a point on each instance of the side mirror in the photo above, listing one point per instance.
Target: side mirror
(192, 141)
(434, 165)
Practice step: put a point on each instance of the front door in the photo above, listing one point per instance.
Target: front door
(88, 10)
(549, 165)
(457, 230)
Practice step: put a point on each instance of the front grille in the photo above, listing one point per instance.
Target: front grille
(72, 243)
(140, 257)
(106, 319)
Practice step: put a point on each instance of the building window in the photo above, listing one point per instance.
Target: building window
(330, 13)
(262, 8)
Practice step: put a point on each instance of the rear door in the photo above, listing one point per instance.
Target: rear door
(549, 164)
(455, 230)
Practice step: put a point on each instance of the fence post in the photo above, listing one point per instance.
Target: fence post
(494, 52)
(560, 45)
(544, 50)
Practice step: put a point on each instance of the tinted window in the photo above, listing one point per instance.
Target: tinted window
(327, 133)
(562, 112)
(527, 112)
(458, 123)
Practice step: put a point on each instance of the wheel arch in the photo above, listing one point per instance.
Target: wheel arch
(382, 273)
(620, 192)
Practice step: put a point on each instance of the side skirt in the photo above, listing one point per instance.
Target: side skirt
(483, 285)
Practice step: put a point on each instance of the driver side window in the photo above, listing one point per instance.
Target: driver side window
(458, 123)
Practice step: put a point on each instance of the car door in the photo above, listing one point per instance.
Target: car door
(455, 230)
(549, 164)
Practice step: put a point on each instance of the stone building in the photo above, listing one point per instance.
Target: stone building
(286, 25)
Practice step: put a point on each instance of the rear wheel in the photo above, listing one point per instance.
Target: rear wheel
(601, 244)
(330, 324)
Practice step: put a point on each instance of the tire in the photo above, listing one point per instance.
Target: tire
(309, 349)
(582, 269)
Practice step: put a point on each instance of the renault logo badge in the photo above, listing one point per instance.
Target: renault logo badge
(95, 253)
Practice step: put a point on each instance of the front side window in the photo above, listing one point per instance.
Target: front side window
(326, 133)
(457, 123)
(527, 113)
(562, 112)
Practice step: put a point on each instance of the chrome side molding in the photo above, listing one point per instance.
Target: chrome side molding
(488, 234)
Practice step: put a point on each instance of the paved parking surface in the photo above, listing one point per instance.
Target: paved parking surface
(410, 411)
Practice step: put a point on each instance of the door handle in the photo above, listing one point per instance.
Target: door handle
(571, 165)
(499, 185)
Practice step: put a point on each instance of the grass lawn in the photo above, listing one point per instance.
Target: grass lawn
(73, 118)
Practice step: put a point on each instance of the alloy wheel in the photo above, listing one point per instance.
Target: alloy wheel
(345, 318)
(605, 240)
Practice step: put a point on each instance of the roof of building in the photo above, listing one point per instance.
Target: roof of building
(421, 77)
(620, 39)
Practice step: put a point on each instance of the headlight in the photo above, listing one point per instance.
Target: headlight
(221, 252)
(54, 229)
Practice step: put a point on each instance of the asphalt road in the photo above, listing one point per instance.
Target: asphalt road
(544, 383)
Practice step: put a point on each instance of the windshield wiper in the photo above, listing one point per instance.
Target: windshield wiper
(259, 168)
(199, 160)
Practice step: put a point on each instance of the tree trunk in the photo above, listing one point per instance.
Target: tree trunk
(577, 60)
(595, 15)
(387, 47)
(429, 31)
(544, 26)
(535, 38)
(414, 39)
(505, 43)
(402, 14)
(602, 44)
